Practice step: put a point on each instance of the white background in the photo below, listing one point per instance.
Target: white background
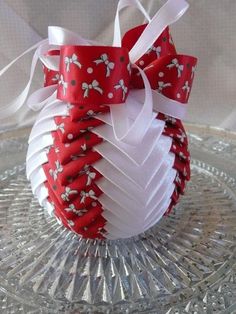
(207, 30)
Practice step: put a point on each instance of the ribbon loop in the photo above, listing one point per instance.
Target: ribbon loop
(90, 74)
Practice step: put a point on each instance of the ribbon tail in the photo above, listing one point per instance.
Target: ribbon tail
(19, 101)
(133, 135)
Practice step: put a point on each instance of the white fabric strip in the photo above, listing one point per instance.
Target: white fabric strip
(139, 153)
(121, 5)
(129, 169)
(171, 11)
(39, 144)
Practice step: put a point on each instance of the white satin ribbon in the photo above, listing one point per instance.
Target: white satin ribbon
(168, 14)
(57, 36)
(133, 134)
(17, 103)
(121, 5)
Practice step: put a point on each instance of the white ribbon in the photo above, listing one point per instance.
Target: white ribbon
(133, 134)
(57, 36)
(17, 103)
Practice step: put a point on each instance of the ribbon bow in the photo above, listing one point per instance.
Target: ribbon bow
(85, 195)
(193, 71)
(109, 65)
(73, 59)
(71, 208)
(157, 50)
(61, 127)
(94, 85)
(59, 169)
(91, 175)
(67, 193)
(175, 63)
(162, 85)
(124, 88)
(55, 78)
(186, 88)
(63, 83)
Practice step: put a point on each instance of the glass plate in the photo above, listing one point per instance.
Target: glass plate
(185, 264)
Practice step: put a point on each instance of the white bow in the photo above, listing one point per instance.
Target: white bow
(61, 127)
(193, 72)
(72, 209)
(121, 85)
(67, 193)
(129, 68)
(186, 88)
(157, 50)
(55, 78)
(63, 83)
(84, 195)
(162, 85)
(59, 169)
(94, 85)
(91, 175)
(109, 65)
(181, 136)
(83, 147)
(181, 154)
(175, 63)
(73, 59)
(177, 178)
(71, 223)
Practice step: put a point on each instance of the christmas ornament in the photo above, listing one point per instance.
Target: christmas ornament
(108, 154)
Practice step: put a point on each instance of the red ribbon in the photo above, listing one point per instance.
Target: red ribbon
(102, 74)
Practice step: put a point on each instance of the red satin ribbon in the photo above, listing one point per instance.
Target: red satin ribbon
(101, 74)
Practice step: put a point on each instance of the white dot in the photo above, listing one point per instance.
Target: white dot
(67, 145)
(70, 136)
(94, 204)
(110, 95)
(90, 70)
(161, 74)
(141, 62)
(178, 95)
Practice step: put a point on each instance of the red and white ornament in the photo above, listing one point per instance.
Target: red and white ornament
(108, 154)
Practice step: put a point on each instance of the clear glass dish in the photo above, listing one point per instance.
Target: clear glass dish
(185, 264)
